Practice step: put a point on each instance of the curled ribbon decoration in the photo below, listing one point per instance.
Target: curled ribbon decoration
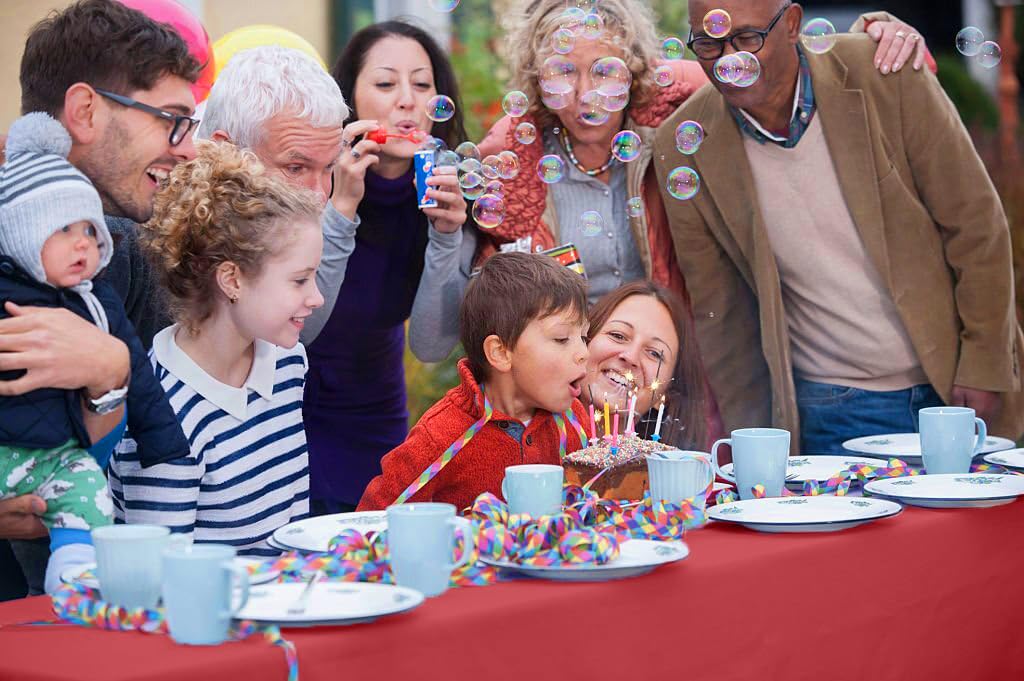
(82, 605)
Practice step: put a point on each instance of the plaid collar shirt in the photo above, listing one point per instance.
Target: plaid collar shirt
(803, 112)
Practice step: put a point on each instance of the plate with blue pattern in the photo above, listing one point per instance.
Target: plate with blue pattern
(636, 557)
(824, 513)
(950, 490)
(1012, 459)
(907, 446)
(315, 534)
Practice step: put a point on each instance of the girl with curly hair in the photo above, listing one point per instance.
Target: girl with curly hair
(238, 252)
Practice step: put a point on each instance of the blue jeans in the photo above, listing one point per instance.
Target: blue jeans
(831, 414)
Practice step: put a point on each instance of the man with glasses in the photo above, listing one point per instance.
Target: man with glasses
(840, 278)
(119, 83)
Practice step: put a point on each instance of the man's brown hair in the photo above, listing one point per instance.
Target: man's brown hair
(102, 43)
(512, 290)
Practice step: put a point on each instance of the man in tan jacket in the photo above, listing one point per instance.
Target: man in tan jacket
(847, 256)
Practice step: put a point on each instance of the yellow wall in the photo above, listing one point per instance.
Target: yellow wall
(308, 18)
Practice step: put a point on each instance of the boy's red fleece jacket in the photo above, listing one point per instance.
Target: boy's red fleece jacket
(480, 466)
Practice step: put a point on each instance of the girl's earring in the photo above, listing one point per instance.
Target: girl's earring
(233, 299)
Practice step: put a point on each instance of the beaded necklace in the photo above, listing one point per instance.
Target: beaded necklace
(567, 145)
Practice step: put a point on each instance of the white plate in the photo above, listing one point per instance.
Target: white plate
(314, 534)
(86, 574)
(636, 557)
(950, 490)
(332, 602)
(802, 468)
(804, 514)
(907, 446)
(1010, 458)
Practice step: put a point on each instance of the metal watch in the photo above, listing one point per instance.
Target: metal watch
(108, 402)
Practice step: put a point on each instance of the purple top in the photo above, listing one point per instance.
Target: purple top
(355, 401)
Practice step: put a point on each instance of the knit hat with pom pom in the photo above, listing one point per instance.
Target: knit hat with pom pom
(41, 193)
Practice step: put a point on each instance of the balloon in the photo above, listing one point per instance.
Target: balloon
(260, 35)
(188, 26)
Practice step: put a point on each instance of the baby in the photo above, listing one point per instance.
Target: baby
(53, 241)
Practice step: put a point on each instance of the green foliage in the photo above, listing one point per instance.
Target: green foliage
(481, 73)
(976, 107)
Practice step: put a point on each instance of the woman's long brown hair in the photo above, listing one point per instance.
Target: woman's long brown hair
(684, 424)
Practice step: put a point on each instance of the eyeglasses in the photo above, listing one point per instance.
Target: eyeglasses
(181, 125)
(751, 41)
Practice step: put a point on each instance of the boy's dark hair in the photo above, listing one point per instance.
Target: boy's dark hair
(512, 290)
(102, 43)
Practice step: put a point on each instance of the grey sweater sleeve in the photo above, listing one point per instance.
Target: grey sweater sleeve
(434, 324)
(339, 242)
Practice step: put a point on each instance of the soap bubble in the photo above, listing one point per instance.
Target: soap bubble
(491, 167)
(444, 5)
(526, 133)
(432, 144)
(563, 40)
(672, 48)
(557, 79)
(969, 41)
(573, 18)
(495, 187)
(475, 192)
(550, 169)
(683, 183)
(717, 23)
(489, 211)
(626, 146)
(592, 110)
(508, 166)
(664, 75)
(440, 108)
(635, 207)
(689, 136)
(556, 101)
(471, 179)
(468, 150)
(612, 78)
(990, 54)
(750, 70)
(591, 223)
(515, 103)
(469, 165)
(818, 36)
(593, 26)
(728, 68)
(585, 5)
(446, 159)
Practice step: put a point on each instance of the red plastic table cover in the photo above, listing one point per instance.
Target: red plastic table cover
(929, 594)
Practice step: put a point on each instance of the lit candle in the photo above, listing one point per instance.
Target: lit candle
(657, 425)
(629, 421)
(593, 423)
(615, 430)
(607, 420)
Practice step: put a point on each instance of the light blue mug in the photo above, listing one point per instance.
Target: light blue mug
(128, 562)
(421, 541)
(948, 442)
(198, 584)
(535, 489)
(675, 475)
(759, 457)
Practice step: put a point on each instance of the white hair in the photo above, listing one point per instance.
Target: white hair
(263, 82)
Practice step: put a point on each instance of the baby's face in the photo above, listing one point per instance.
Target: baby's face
(71, 255)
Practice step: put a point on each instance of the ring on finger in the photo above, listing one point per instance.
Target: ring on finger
(355, 154)
(913, 37)
(901, 34)
(345, 144)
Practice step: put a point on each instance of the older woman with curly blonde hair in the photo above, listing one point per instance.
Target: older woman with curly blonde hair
(238, 250)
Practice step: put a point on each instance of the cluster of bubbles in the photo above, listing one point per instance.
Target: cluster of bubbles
(818, 36)
(741, 69)
(581, 19)
(443, 5)
(971, 42)
(480, 181)
(440, 108)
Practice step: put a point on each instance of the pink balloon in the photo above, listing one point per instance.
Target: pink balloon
(188, 26)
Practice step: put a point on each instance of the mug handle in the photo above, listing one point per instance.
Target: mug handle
(466, 527)
(504, 489)
(241, 576)
(709, 487)
(714, 458)
(982, 435)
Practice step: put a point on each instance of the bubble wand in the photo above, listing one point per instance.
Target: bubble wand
(380, 136)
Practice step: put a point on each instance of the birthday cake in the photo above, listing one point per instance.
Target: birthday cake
(626, 474)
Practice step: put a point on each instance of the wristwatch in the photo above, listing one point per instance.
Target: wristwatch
(107, 402)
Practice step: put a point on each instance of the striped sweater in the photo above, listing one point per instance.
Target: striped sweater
(247, 473)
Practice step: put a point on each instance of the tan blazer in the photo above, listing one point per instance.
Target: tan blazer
(925, 208)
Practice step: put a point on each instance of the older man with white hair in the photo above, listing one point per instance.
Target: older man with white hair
(281, 104)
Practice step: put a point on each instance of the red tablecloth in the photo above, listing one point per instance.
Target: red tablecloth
(929, 594)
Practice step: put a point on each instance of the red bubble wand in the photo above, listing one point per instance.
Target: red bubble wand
(381, 135)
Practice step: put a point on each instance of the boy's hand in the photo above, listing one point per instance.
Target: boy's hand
(59, 349)
(19, 517)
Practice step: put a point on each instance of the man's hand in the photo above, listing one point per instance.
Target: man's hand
(19, 517)
(59, 349)
(986, 405)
